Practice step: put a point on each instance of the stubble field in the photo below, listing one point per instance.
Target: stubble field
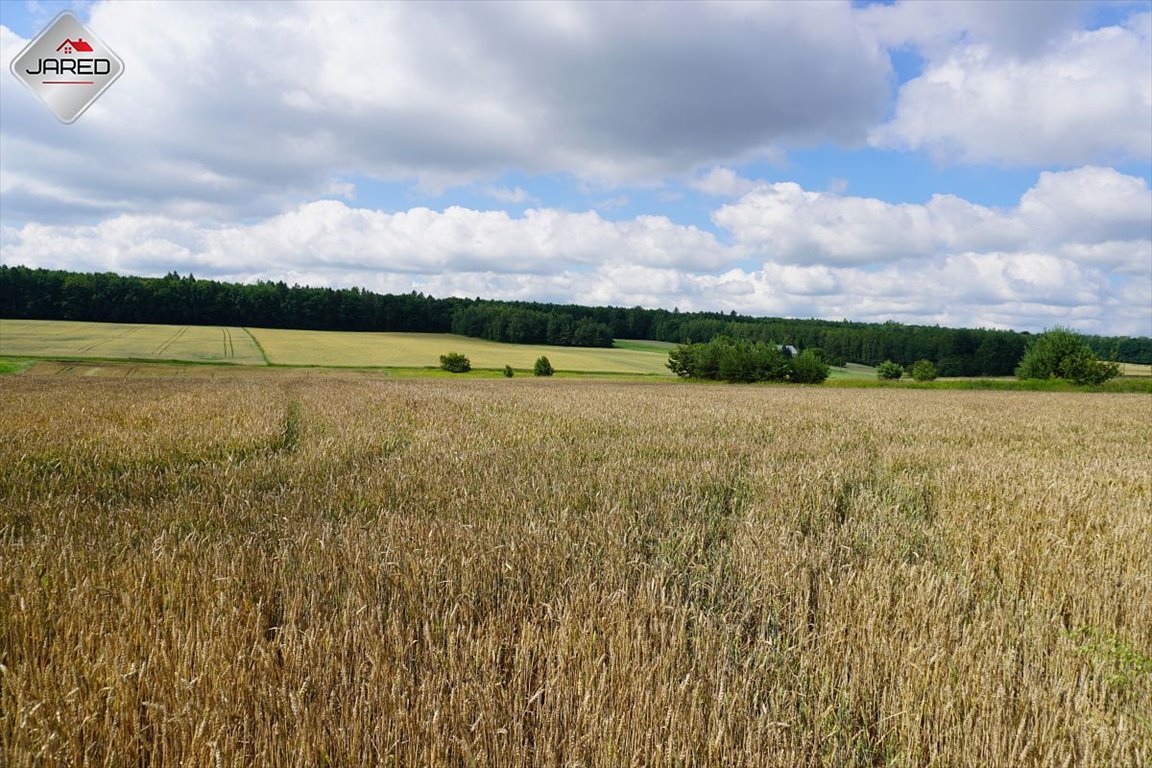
(306, 571)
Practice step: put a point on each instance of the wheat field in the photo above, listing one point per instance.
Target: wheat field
(307, 571)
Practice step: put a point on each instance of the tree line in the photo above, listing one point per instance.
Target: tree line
(743, 361)
(186, 300)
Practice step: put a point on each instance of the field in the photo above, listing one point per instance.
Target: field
(194, 343)
(288, 569)
(414, 350)
(111, 341)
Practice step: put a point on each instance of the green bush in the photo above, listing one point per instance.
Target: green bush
(542, 367)
(924, 370)
(889, 370)
(508, 372)
(1063, 354)
(454, 362)
(809, 367)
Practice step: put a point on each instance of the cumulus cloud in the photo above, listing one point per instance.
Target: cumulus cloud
(1081, 97)
(948, 261)
(329, 237)
(1088, 205)
(1089, 211)
(795, 225)
(247, 108)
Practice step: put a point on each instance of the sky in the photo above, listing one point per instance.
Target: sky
(965, 164)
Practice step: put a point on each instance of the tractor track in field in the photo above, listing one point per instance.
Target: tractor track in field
(229, 347)
(117, 337)
(163, 347)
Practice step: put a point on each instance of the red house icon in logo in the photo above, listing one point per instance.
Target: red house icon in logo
(79, 45)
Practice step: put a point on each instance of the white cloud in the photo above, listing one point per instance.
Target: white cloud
(1085, 97)
(723, 182)
(329, 237)
(1088, 205)
(792, 225)
(230, 109)
(1094, 212)
(506, 194)
(947, 261)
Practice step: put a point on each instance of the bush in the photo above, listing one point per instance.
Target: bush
(1063, 354)
(508, 372)
(924, 370)
(454, 362)
(808, 367)
(889, 370)
(542, 367)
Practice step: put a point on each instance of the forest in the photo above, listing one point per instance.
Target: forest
(41, 294)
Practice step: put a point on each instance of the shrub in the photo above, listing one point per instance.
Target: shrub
(924, 370)
(454, 362)
(889, 370)
(542, 367)
(1063, 354)
(809, 367)
(508, 372)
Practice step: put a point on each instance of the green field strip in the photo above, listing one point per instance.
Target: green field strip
(44, 339)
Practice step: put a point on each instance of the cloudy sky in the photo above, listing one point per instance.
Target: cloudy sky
(962, 163)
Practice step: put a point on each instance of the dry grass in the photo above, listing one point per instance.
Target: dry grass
(317, 571)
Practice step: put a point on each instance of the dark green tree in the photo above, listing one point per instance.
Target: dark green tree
(809, 368)
(1060, 353)
(682, 360)
(454, 362)
(543, 367)
(889, 370)
(924, 370)
(508, 372)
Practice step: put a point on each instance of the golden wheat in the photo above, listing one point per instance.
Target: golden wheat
(306, 571)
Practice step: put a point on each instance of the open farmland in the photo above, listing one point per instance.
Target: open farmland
(310, 570)
(415, 350)
(111, 341)
(66, 339)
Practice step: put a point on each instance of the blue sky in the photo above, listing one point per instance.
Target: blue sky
(962, 163)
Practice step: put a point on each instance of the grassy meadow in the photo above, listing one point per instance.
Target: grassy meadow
(306, 570)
